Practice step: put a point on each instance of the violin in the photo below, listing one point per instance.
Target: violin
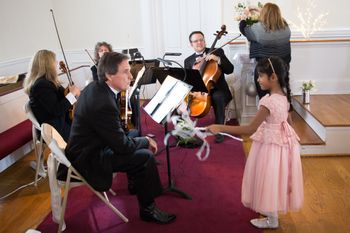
(200, 103)
(63, 69)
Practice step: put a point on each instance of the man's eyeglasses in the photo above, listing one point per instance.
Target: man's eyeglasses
(196, 41)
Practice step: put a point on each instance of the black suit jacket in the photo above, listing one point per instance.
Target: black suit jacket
(97, 135)
(94, 72)
(49, 105)
(226, 67)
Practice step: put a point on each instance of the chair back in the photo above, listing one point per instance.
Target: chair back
(55, 142)
(30, 115)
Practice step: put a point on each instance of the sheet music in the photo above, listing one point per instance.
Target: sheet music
(139, 76)
(169, 96)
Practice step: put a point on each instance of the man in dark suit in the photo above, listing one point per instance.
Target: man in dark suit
(98, 145)
(220, 94)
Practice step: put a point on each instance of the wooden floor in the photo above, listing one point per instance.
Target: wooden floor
(329, 110)
(326, 207)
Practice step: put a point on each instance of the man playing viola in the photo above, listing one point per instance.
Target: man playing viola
(220, 94)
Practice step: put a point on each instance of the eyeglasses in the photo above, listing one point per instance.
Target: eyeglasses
(196, 41)
(273, 69)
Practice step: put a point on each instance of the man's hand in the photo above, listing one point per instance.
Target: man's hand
(152, 145)
(212, 57)
(199, 95)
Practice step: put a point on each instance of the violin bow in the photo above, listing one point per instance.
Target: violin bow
(64, 55)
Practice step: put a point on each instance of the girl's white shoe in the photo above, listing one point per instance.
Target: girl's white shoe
(268, 222)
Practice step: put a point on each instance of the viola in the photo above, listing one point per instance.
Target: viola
(64, 69)
(124, 110)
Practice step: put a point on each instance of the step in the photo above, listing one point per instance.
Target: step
(306, 134)
(329, 117)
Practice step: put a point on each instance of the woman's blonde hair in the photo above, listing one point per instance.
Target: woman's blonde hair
(43, 64)
(271, 17)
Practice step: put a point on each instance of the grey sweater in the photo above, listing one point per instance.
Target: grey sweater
(267, 43)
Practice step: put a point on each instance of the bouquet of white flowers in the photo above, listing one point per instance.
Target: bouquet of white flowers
(250, 14)
(308, 85)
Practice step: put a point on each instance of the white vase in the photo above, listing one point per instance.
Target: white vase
(306, 96)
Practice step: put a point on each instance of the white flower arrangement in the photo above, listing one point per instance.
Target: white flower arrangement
(250, 14)
(308, 85)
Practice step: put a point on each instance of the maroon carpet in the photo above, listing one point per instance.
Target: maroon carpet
(214, 185)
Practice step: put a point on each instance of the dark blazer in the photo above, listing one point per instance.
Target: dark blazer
(97, 135)
(49, 105)
(226, 67)
(94, 72)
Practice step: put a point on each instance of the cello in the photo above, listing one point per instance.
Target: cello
(210, 72)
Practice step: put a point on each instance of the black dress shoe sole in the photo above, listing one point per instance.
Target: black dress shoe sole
(219, 139)
(170, 219)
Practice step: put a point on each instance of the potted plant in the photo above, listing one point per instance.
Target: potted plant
(306, 87)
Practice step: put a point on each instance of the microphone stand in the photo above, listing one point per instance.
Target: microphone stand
(167, 63)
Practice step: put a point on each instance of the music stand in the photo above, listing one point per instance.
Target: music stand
(193, 77)
(139, 69)
(167, 99)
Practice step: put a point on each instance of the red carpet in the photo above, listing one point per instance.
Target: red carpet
(215, 187)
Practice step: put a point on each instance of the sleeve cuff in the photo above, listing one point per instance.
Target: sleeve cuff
(71, 98)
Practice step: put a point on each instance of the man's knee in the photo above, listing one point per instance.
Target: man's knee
(144, 155)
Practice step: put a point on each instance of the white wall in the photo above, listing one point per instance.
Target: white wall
(25, 27)
(84, 22)
(158, 26)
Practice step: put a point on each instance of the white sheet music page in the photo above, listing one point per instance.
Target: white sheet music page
(139, 75)
(169, 96)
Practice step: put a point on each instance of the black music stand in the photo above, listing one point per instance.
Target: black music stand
(141, 77)
(169, 96)
(193, 77)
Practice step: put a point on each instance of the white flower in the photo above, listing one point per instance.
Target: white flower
(308, 85)
(249, 13)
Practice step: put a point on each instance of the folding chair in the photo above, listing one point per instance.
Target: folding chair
(37, 143)
(57, 145)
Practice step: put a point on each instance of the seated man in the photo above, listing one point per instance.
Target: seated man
(98, 145)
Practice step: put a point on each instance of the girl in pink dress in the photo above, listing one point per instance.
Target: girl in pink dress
(272, 180)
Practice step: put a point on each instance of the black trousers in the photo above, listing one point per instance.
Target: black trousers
(220, 99)
(142, 168)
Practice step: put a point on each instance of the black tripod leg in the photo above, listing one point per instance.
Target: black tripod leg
(171, 187)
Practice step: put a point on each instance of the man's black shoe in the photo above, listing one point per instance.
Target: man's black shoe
(153, 214)
(131, 187)
(219, 138)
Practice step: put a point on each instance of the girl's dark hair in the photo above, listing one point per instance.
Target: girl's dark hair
(281, 69)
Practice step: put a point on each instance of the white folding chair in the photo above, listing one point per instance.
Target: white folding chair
(57, 145)
(38, 145)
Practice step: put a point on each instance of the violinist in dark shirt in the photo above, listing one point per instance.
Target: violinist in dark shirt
(100, 49)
